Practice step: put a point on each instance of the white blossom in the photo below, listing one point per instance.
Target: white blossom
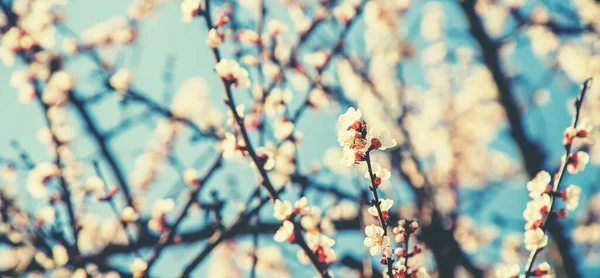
(60, 255)
(276, 27)
(381, 174)
(121, 80)
(571, 196)
(189, 9)
(301, 206)
(215, 38)
(129, 215)
(282, 209)
(231, 71)
(380, 139)
(348, 119)
(577, 162)
(138, 267)
(375, 239)
(285, 232)
(385, 205)
(536, 209)
(190, 176)
(344, 12)
(508, 271)
(535, 239)
(277, 100)
(162, 207)
(538, 184)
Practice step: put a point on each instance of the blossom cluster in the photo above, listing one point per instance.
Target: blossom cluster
(309, 219)
(357, 140)
(543, 190)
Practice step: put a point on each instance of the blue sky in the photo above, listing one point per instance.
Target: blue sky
(164, 37)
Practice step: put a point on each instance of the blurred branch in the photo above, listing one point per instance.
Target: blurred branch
(105, 150)
(166, 239)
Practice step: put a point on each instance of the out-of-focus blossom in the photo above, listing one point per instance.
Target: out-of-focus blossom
(321, 245)
(276, 27)
(535, 239)
(129, 215)
(571, 196)
(285, 232)
(94, 184)
(114, 32)
(539, 184)
(301, 206)
(231, 147)
(142, 9)
(38, 177)
(277, 101)
(283, 128)
(215, 38)
(162, 207)
(138, 267)
(344, 12)
(248, 36)
(282, 210)
(536, 209)
(543, 270)
(577, 162)
(316, 59)
(508, 271)
(543, 41)
(190, 176)
(318, 99)
(190, 9)
(121, 80)
(60, 255)
(231, 71)
(70, 46)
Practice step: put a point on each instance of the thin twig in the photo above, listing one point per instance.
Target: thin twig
(559, 176)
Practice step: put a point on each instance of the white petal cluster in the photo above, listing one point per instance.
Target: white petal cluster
(231, 71)
(571, 196)
(192, 101)
(58, 88)
(577, 162)
(190, 9)
(38, 177)
(508, 271)
(539, 184)
(282, 210)
(385, 205)
(215, 38)
(535, 239)
(160, 209)
(121, 80)
(277, 101)
(375, 239)
(111, 33)
(285, 232)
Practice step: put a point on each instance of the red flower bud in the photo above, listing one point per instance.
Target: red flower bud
(375, 143)
(377, 181)
(562, 213)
